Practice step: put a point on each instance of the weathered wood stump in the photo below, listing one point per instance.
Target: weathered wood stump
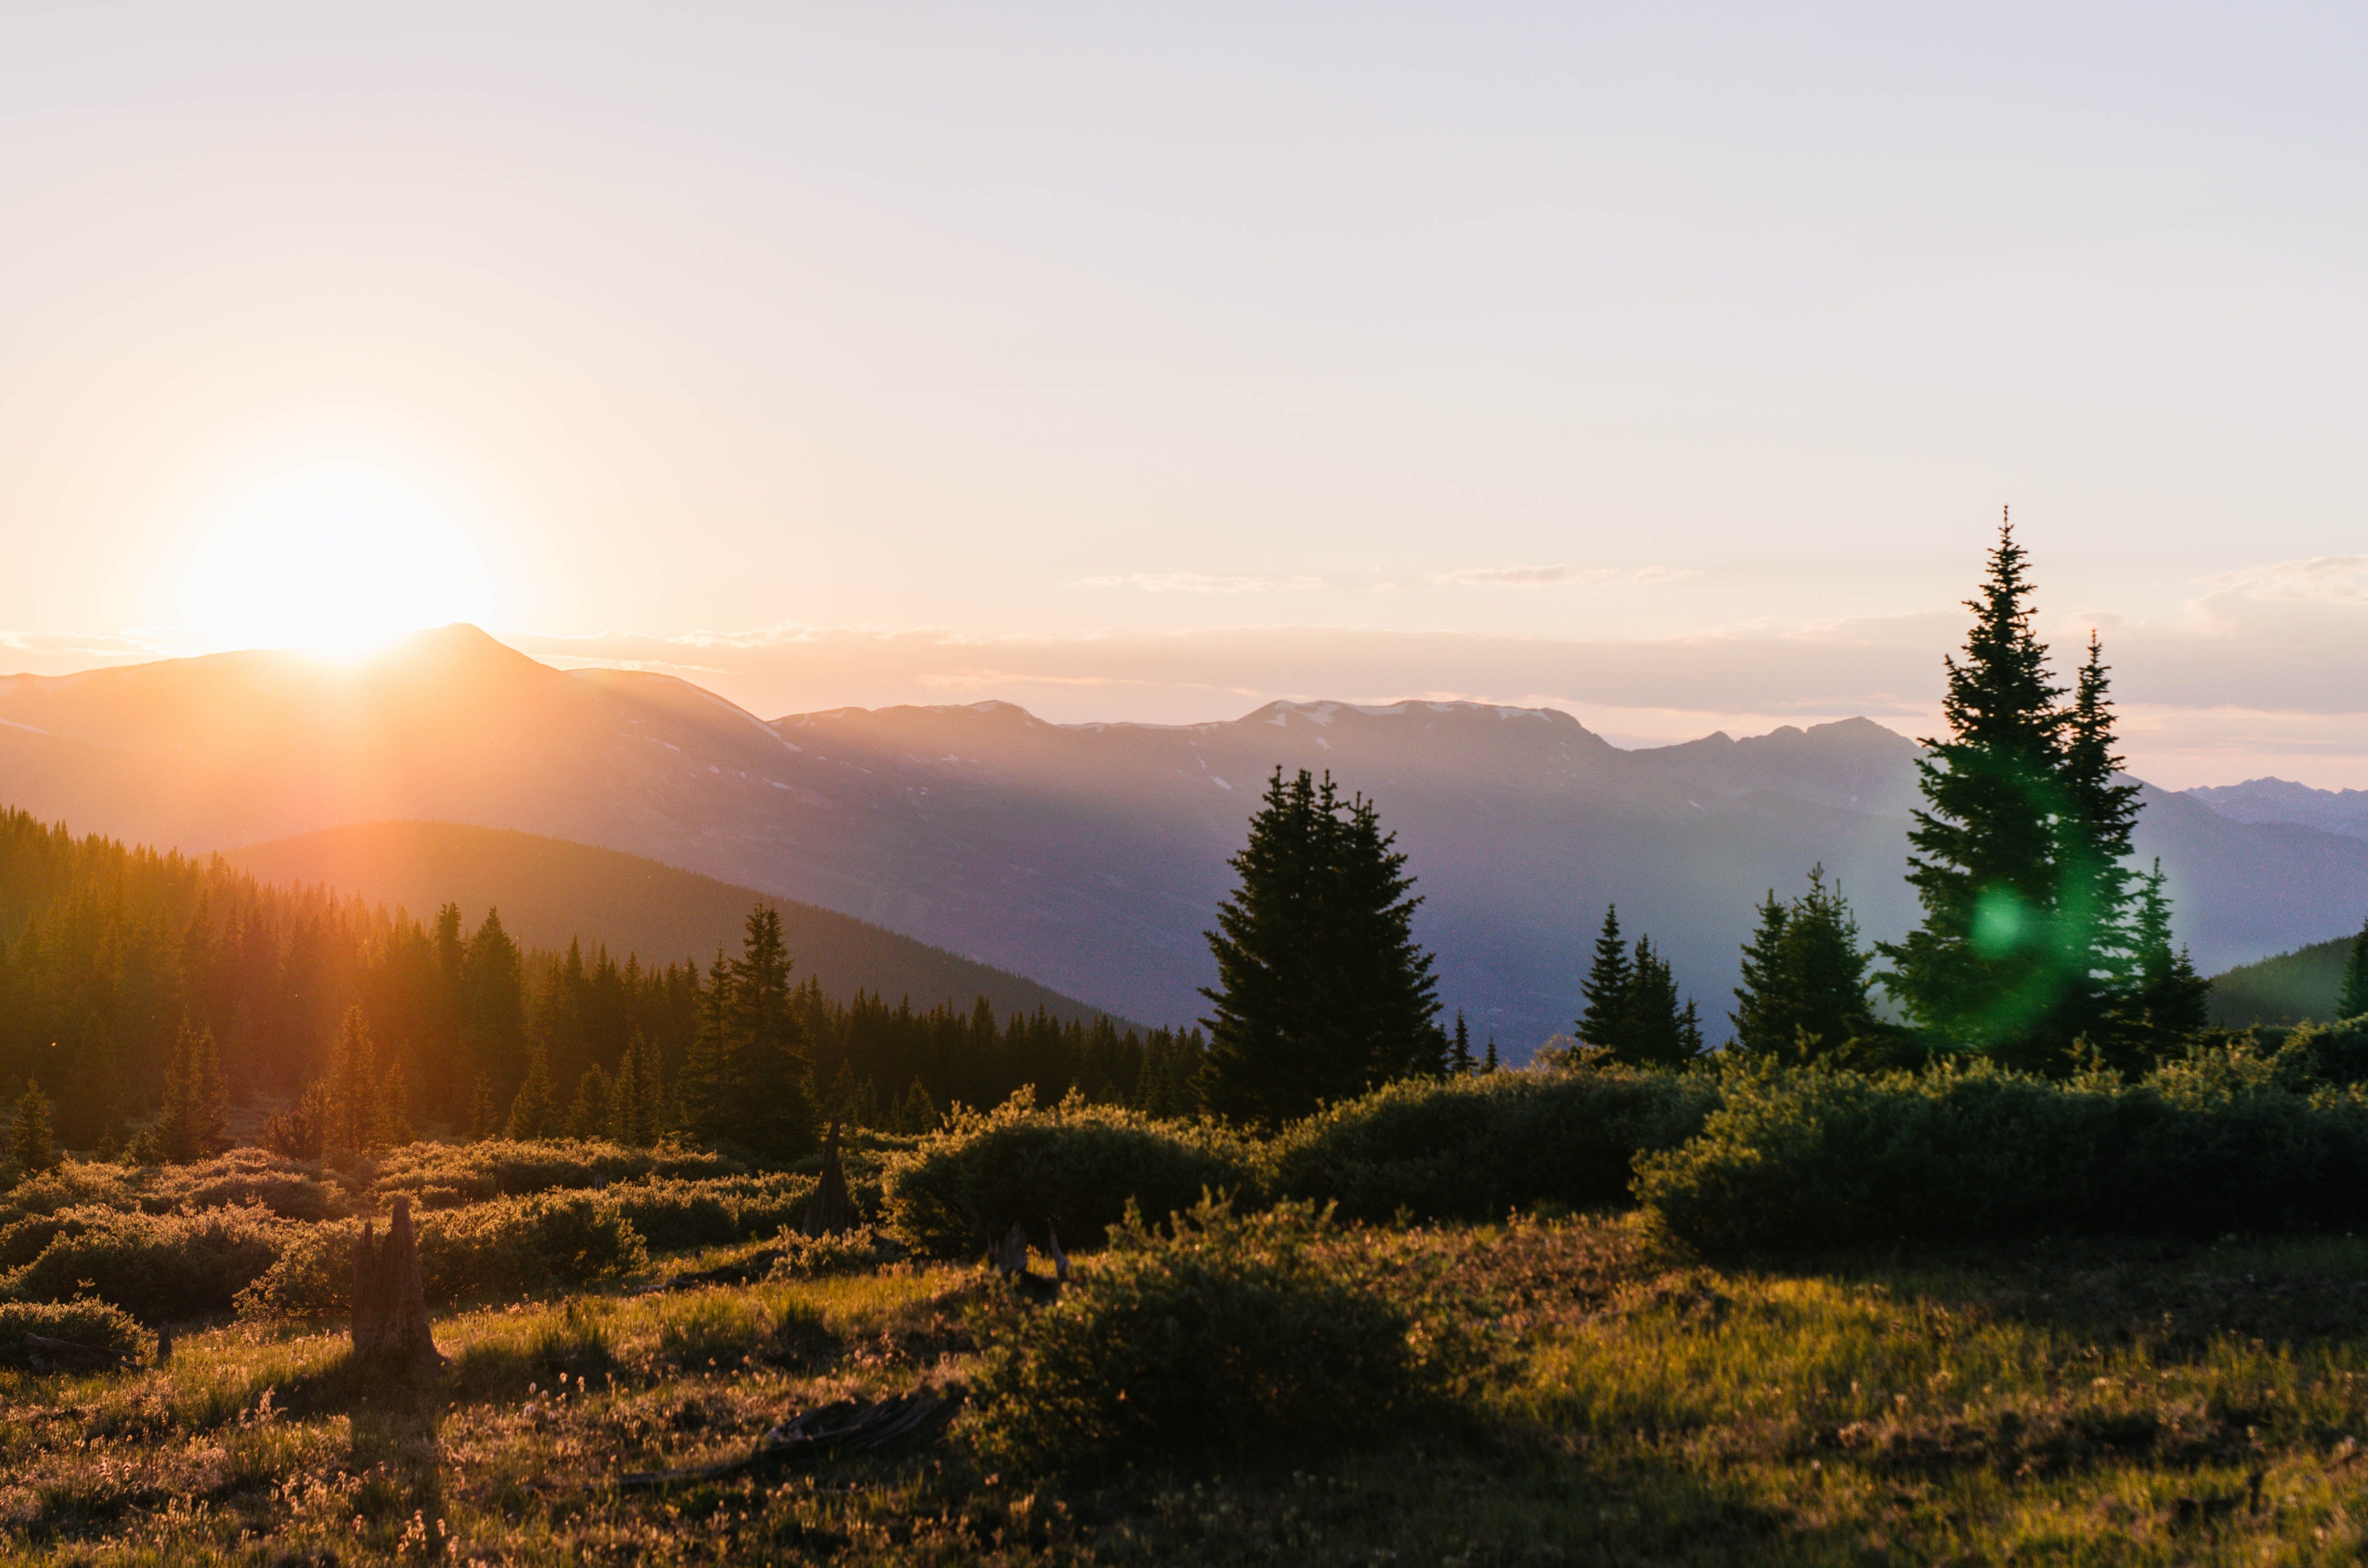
(390, 1331)
(831, 1210)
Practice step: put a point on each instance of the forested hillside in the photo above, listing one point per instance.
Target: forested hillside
(107, 951)
(551, 892)
(2298, 987)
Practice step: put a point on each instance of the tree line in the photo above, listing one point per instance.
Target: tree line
(124, 972)
(2043, 946)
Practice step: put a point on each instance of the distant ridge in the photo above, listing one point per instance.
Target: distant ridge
(551, 892)
(2299, 987)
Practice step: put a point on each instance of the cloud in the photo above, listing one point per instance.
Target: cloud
(1199, 582)
(1559, 574)
(2340, 577)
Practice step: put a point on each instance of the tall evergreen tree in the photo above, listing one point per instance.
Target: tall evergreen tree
(1321, 991)
(1655, 1031)
(2165, 1004)
(588, 1116)
(2093, 834)
(1990, 966)
(768, 1078)
(1806, 989)
(1459, 1062)
(31, 1145)
(532, 1112)
(1609, 981)
(2352, 1000)
(189, 1126)
(701, 1088)
(1632, 1011)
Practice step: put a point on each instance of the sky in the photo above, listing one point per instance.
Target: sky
(1666, 363)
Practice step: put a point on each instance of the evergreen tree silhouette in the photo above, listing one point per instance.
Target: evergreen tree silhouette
(31, 1145)
(1321, 991)
(1806, 989)
(1989, 966)
(533, 1114)
(1459, 1055)
(767, 1079)
(189, 1126)
(2166, 1002)
(2093, 896)
(2352, 1000)
(1609, 980)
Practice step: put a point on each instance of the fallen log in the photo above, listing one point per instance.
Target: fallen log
(841, 1427)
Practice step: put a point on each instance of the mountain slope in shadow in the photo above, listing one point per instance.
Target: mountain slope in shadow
(550, 892)
(1091, 857)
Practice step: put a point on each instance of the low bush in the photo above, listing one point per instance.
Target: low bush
(72, 1184)
(450, 1176)
(157, 1267)
(1222, 1333)
(1074, 1167)
(98, 1324)
(1474, 1148)
(244, 1176)
(2218, 1141)
(672, 1215)
(508, 1247)
(850, 1251)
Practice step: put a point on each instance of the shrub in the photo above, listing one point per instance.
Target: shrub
(1075, 1166)
(849, 1252)
(157, 1267)
(290, 1189)
(1222, 1333)
(1473, 1148)
(450, 1176)
(2208, 1144)
(508, 1247)
(94, 1323)
(75, 1184)
(671, 1215)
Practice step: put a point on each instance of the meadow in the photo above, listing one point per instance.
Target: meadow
(1554, 1382)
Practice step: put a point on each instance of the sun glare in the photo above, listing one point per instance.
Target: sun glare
(334, 560)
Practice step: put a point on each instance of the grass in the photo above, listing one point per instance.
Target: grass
(1620, 1402)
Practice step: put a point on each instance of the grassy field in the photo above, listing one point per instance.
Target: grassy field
(1618, 1402)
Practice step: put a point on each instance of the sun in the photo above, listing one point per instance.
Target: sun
(333, 558)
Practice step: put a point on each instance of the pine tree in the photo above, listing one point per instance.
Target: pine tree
(2353, 999)
(2168, 1004)
(916, 1112)
(1609, 980)
(30, 1143)
(767, 1075)
(1321, 991)
(1806, 989)
(2094, 897)
(533, 1114)
(1459, 1055)
(655, 1120)
(627, 1099)
(1654, 1031)
(1488, 1062)
(394, 1108)
(356, 1093)
(700, 1089)
(588, 1116)
(1988, 967)
(485, 1117)
(190, 1124)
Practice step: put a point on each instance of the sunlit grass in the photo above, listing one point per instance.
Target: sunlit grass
(2192, 1406)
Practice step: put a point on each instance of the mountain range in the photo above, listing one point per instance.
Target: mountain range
(1089, 858)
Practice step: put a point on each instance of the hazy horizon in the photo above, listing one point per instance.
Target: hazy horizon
(1667, 368)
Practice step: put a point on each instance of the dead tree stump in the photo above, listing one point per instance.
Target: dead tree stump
(391, 1332)
(831, 1210)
